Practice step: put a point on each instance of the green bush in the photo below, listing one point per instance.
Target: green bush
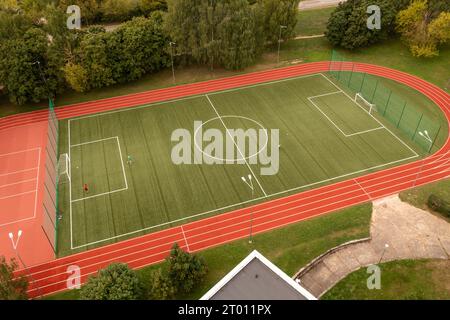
(115, 282)
(439, 205)
(185, 270)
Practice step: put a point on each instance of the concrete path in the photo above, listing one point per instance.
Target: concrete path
(315, 4)
(410, 233)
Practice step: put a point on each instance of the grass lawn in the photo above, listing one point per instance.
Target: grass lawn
(126, 200)
(400, 280)
(290, 248)
(418, 196)
(312, 22)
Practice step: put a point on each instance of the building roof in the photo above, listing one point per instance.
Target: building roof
(256, 278)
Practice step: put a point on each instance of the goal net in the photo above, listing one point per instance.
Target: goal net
(370, 107)
(64, 168)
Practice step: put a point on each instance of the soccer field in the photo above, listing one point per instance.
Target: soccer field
(134, 187)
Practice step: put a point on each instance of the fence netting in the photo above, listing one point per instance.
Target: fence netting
(408, 118)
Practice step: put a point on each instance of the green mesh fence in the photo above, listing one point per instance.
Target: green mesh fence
(389, 105)
(50, 201)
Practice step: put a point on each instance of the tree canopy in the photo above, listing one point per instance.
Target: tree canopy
(11, 288)
(116, 282)
(424, 26)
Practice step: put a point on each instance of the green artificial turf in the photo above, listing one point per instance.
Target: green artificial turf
(151, 192)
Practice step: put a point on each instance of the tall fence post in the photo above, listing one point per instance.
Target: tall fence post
(435, 138)
(401, 115)
(417, 128)
(374, 91)
(362, 82)
(351, 74)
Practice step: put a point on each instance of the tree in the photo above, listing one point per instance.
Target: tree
(116, 282)
(279, 13)
(117, 10)
(184, 270)
(11, 287)
(76, 76)
(237, 43)
(226, 33)
(148, 6)
(423, 27)
(347, 26)
(161, 287)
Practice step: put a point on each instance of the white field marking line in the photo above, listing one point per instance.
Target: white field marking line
(107, 260)
(18, 171)
(409, 148)
(28, 192)
(18, 194)
(329, 119)
(37, 183)
(228, 240)
(225, 207)
(21, 151)
(185, 240)
(368, 195)
(123, 171)
(237, 147)
(192, 97)
(70, 186)
(325, 94)
(146, 242)
(91, 142)
(99, 195)
(365, 131)
(234, 205)
(278, 226)
(18, 182)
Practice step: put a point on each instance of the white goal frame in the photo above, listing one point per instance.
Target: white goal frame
(64, 167)
(371, 106)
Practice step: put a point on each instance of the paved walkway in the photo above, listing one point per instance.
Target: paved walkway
(315, 4)
(410, 233)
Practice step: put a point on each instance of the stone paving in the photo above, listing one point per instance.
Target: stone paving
(398, 231)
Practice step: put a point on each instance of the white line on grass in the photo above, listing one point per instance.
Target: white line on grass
(415, 153)
(329, 119)
(122, 165)
(234, 142)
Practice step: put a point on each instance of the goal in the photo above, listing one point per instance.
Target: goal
(359, 99)
(64, 168)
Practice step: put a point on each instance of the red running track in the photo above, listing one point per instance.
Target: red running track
(152, 248)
